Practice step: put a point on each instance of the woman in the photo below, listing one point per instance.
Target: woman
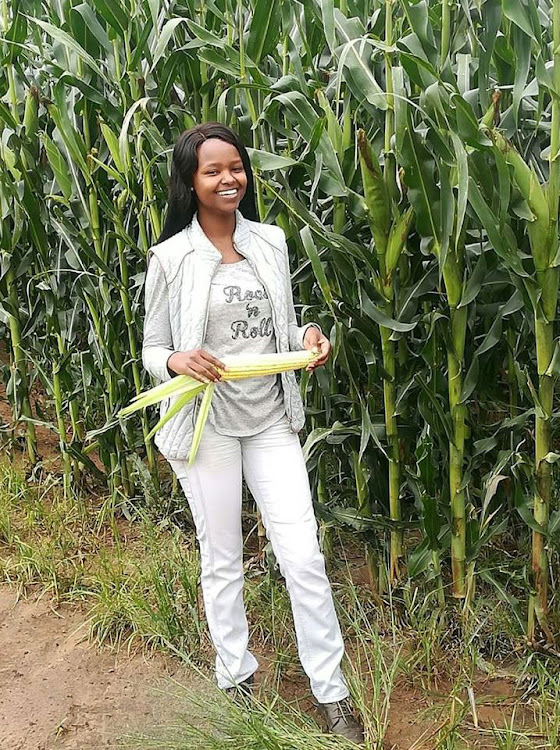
(218, 283)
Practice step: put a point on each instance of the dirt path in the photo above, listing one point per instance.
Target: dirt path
(56, 692)
(59, 693)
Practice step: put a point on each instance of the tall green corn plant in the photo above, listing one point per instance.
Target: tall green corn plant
(436, 168)
(70, 155)
(434, 150)
(536, 209)
(347, 42)
(336, 108)
(438, 217)
(76, 141)
(17, 154)
(389, 227)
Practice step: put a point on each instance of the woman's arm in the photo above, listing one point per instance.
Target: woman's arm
(296, 333)
(157, 344)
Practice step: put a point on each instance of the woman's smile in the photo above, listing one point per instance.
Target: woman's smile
(229, 193)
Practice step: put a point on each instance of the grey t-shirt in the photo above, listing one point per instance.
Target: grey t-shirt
(240, 322)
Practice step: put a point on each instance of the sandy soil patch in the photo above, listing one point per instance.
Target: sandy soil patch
(57, 692)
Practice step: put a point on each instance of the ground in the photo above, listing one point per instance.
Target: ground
(57, 692)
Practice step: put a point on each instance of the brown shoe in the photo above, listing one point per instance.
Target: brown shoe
(242, 689)
(341, 721)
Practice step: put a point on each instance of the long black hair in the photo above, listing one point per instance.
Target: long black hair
(181, 200)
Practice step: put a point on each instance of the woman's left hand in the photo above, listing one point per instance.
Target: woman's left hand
(313, 338)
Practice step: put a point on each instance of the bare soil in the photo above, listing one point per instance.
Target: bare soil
(57, 692)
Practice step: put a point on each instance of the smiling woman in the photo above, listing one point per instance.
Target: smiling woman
(218, 284)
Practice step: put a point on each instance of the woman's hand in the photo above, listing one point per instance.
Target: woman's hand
(197, 363)
(314, 338)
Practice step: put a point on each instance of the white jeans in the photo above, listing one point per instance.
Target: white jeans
(274, 469)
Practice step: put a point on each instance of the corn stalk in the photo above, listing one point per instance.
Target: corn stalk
(29, 137)
(542, 230)
(389, 236)
(452, 275)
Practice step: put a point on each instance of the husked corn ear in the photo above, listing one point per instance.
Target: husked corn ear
(284, 361)
(238, 366)
(244, 366)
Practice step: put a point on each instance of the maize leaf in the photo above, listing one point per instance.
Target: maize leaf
(158, 393)
(201, 421)
(181, 401)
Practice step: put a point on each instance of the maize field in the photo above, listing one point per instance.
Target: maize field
(410, 149)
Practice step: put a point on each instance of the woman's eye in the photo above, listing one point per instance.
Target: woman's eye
(215, 171)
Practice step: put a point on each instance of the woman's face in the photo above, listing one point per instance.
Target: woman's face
(220, 180)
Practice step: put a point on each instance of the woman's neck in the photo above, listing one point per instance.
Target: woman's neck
(217, 226)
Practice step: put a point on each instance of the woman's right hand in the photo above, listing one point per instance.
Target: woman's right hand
(197, 363)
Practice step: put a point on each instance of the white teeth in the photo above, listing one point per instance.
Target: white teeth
(227, 192)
